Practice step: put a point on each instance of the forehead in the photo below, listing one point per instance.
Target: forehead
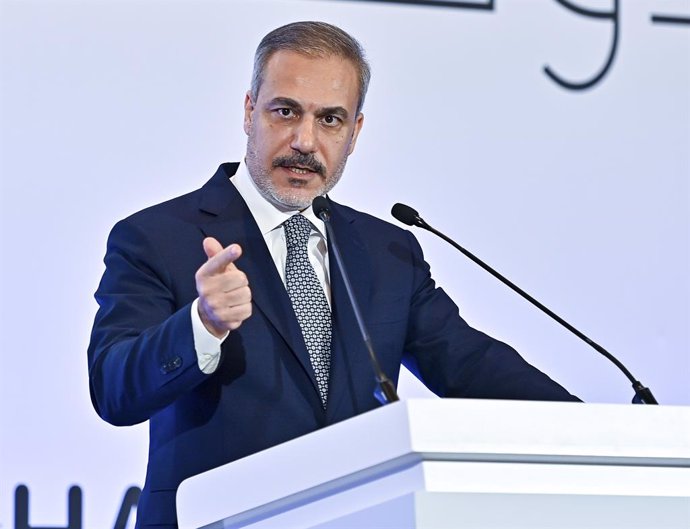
(318, 81)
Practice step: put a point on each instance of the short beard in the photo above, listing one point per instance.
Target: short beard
(287, 199)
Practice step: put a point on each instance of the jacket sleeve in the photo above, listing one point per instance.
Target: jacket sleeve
(455, 360)
(141, 355)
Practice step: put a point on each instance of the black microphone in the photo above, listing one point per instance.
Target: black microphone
(409, 216)
(385, 392)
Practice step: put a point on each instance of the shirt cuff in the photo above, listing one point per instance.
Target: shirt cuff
(206, 345)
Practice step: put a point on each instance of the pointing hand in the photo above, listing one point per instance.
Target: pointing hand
(224, 294)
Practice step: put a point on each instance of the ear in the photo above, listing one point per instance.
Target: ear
(359, 121)
(248, 109)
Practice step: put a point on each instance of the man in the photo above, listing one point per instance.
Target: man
(221, 321)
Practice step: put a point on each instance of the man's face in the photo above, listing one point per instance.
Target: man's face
(302, 127)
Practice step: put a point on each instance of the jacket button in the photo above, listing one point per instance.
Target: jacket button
(171, 365)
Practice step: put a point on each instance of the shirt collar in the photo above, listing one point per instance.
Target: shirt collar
(266, 214)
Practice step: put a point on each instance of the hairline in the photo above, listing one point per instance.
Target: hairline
(285, 38)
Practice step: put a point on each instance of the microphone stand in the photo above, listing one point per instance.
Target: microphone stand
(385, 392)
(409, 216)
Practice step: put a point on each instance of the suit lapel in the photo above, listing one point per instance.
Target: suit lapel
(230, 221)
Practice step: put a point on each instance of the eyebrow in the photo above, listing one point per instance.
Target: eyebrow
(288, 102)
(333, 111)
(285, 102)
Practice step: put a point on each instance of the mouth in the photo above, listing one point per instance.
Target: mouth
(300, 165)
(299, 170)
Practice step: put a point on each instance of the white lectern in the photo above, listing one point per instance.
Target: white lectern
(462, 464)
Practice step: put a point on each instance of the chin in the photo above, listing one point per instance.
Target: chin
(295, 200)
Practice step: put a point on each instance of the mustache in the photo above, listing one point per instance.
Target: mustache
(307, 161)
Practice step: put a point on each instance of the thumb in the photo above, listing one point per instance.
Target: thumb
(212, 247)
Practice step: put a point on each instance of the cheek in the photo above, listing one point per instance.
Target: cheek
(339, 147)
(274, 136)
(265, 139)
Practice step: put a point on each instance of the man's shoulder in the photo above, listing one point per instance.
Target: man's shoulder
(190, 206)
(367, 223)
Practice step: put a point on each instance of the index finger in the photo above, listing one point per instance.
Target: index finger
(220, 262)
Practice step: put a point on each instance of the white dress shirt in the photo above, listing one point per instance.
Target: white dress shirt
(270, 218)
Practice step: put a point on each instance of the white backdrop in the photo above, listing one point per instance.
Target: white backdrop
(581, 197)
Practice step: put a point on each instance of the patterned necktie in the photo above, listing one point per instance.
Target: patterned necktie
(308, 300)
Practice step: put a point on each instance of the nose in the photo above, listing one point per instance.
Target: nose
(304, 137)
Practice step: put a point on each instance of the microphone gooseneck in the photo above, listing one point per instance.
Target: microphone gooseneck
(385, 392)
(409, 216)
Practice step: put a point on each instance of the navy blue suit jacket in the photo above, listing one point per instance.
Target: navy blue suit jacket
(143, 366)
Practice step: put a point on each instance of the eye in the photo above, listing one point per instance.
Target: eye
(331, 121)
(285, 112)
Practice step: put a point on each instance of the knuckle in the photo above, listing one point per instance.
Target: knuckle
(246, 294)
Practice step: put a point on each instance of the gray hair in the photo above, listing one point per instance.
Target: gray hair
(313, 39)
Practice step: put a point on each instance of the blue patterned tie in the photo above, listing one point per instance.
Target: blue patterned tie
(308, 300)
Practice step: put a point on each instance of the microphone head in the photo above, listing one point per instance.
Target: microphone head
(320, 207)
(406, 215)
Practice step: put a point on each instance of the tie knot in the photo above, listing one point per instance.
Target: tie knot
(297, 231)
